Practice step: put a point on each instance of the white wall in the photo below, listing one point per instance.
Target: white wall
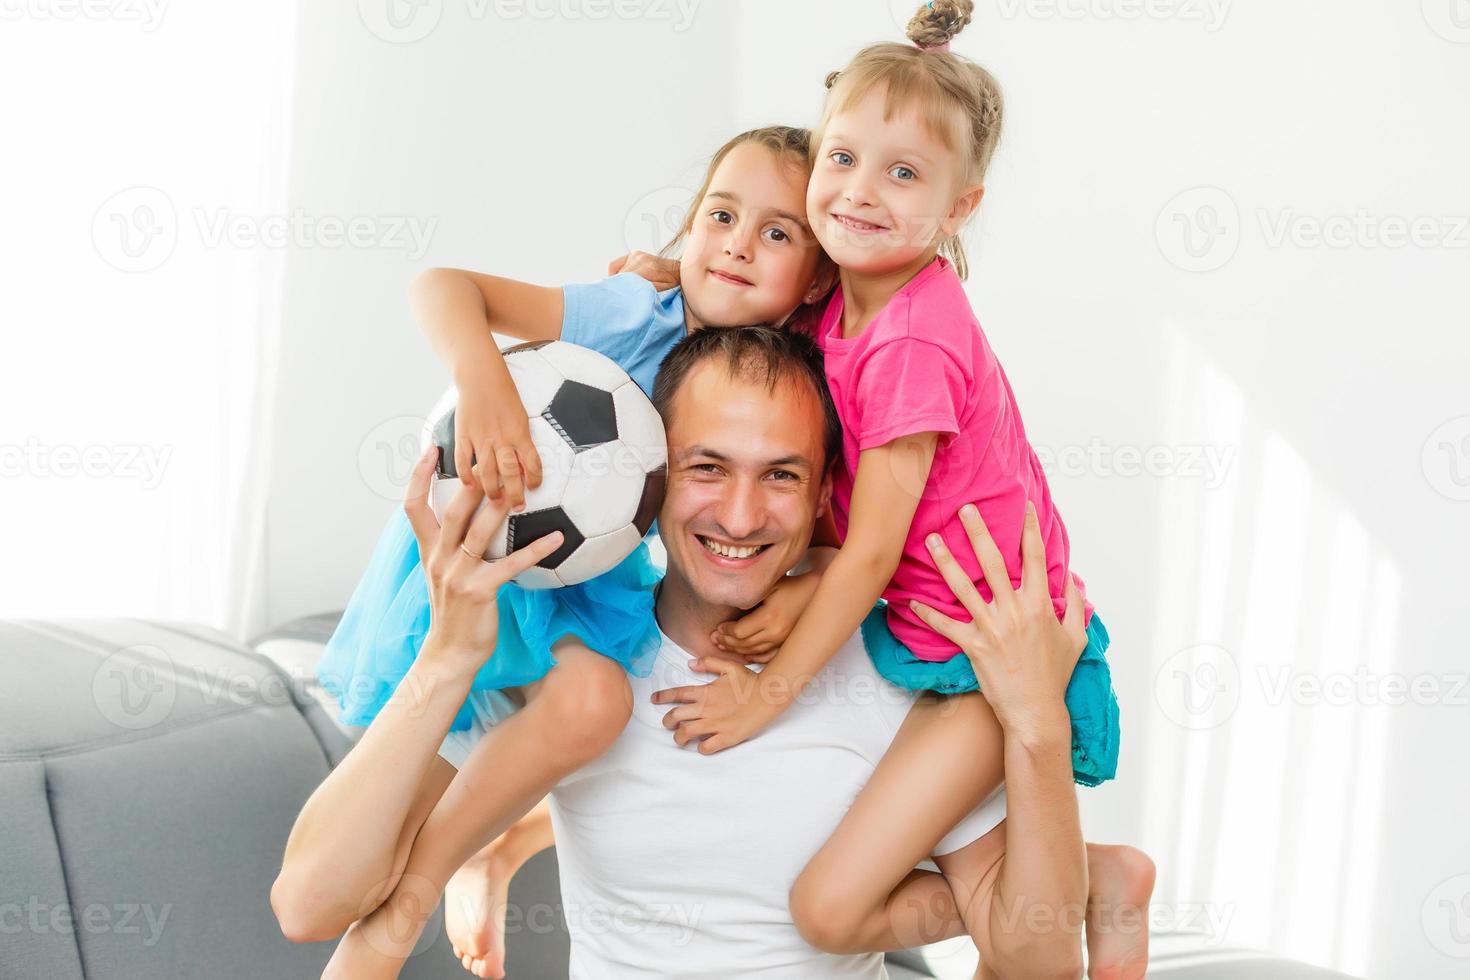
(1324, 547)
(527, 146)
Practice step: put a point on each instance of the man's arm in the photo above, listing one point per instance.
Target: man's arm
(1023, 658)
(352, 837)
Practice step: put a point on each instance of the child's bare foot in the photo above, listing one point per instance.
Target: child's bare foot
(1120, 881)
(474, 909)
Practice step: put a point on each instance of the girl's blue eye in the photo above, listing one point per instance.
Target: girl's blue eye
(900, 170)
(842, 157)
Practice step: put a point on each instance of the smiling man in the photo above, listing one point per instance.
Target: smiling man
(676, 863)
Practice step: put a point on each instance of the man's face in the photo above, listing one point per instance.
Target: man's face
(744, 479)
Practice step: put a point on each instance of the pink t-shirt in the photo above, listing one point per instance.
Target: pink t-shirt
(923, 365)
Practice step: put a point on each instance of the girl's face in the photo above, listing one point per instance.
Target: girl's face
(884, 193)
(750, 257)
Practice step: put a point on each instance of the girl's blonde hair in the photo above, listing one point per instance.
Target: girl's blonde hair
(958, 100)
(791, 144)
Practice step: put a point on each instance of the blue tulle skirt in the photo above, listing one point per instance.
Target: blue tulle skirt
(387, 618)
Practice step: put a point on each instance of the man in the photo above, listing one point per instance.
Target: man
(675, 863)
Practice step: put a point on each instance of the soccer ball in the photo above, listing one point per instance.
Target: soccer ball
(603, 455)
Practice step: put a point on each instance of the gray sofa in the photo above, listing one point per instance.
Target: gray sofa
(149, 775)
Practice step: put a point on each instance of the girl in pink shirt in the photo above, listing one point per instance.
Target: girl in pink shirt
(930, 426)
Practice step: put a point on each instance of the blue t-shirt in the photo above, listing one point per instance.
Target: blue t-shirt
(625, 318)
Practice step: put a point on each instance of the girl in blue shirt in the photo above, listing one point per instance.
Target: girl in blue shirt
(748, 258)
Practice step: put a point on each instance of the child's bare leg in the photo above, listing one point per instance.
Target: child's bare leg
(861, 891)
(475, 897)
(1120, 882)
(571, 716)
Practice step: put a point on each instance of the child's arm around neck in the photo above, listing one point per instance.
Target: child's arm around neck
(885, 496)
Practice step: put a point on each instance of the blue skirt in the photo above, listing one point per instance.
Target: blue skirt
(1090, 698)
(387, 618)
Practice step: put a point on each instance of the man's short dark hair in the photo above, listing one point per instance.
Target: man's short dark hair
(763, 355)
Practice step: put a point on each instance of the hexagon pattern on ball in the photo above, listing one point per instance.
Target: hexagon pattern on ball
(583, 415)
(603, 457)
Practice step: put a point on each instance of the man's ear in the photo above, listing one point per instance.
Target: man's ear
(964, 206)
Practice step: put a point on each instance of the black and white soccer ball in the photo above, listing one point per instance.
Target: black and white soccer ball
(603, 453)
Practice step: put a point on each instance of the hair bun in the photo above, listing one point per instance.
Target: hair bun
(939, 21)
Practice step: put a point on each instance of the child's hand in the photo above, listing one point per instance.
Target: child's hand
(758, 634)
(490, 427)
(663, 273)
(724, 712)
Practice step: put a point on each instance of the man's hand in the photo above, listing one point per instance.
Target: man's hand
(464, 616)
(758, 634)
(1023, 657)
(663, 273)
(724, 712)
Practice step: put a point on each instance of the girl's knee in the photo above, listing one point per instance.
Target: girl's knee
(823, 916)
(588, 706)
